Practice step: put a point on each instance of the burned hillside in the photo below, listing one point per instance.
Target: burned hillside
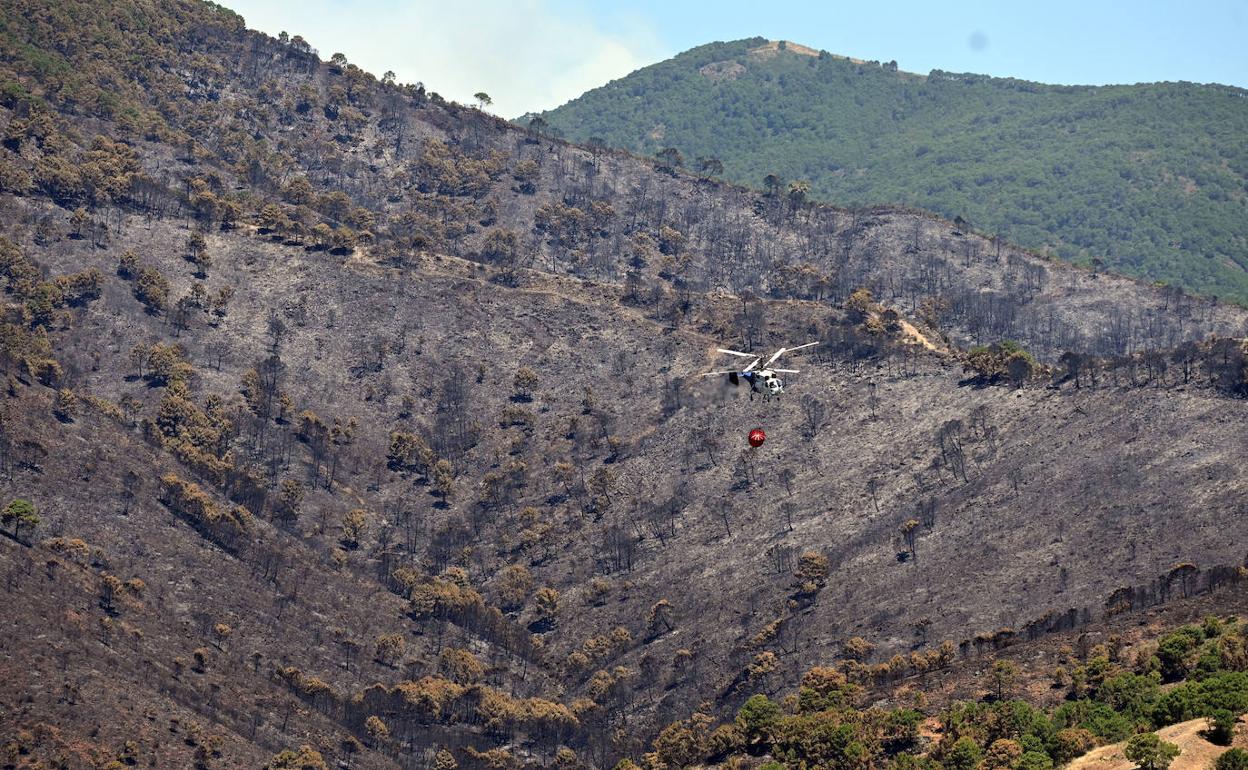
(362, 420)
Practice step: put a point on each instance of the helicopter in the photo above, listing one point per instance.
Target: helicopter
(759, 375)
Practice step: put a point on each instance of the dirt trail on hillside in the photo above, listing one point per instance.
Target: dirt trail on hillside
(1197, 753)
(916, 335)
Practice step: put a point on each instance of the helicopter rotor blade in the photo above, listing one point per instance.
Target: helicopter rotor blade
(782, 351)
(736, 353)
(753, 364)
(787, 371)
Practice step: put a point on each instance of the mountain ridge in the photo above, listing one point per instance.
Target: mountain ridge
(1148, 178)
(770, 47)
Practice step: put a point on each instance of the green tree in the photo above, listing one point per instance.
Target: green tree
(483, 99)
(826, 689)
(1175, 650)
(1034, 760)
(964, 755)
(1235, 759)
(20, 514)
(1221, 725)
(756, 718)
(1150, 752)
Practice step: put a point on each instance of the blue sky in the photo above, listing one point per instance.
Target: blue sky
(536, 54)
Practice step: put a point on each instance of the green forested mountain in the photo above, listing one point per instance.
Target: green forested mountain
(1150, 178)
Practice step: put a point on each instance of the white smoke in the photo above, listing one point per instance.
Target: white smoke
(528, 55)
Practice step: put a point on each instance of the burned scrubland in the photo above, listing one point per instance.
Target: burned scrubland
(357, 419)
